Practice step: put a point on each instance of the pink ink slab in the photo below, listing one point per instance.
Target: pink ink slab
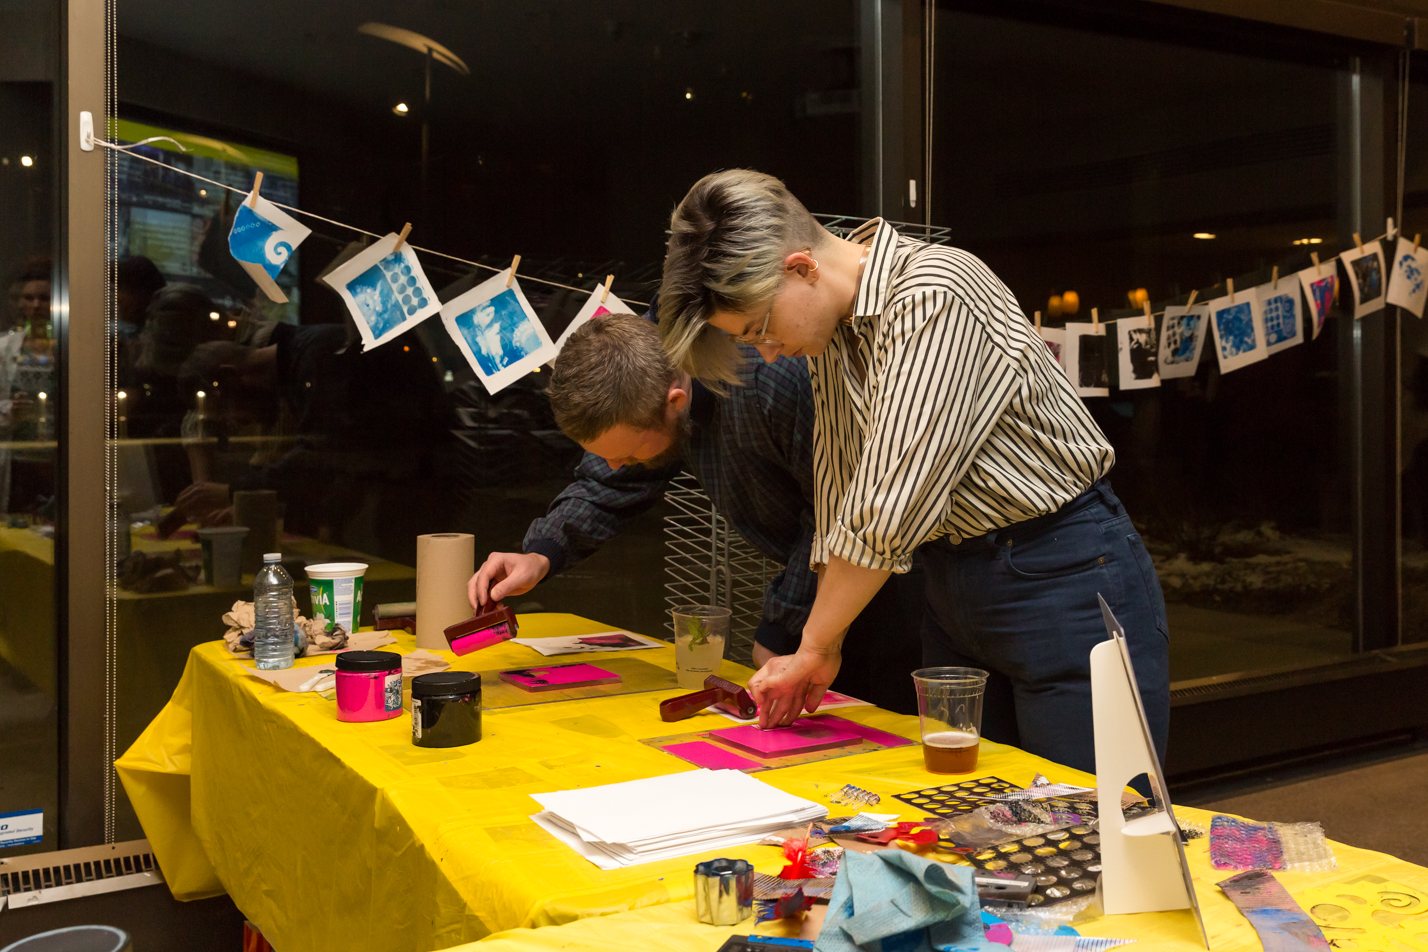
(798, 738)
(704, 754)
(558, 677)
(870, 734)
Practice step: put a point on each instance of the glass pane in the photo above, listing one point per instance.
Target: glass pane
(1103, 164)
(29, 409)
(1413, 453)
(575, 169)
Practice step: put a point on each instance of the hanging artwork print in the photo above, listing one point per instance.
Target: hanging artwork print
(385, 289)
(498, 332)
(1182, 338)
(1238, 329)
(1084, 359)
(1136, 354)
(1408, 277)
(1055, 338)
(1320, 284)
(262, 239)
(1280, 307)
(1367, 277)
(593, 307)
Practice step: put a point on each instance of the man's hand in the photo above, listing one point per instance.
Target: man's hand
(789, 684)
(199, 500)
(506, 573)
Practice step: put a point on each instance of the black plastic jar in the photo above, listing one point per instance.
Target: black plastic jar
(446, 709)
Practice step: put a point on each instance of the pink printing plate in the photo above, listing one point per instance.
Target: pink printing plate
(558, 677)
(798, 738)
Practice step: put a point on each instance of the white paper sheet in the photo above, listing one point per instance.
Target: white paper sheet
(572, 644)
(498, 332)
(593, 307)
(1367, 277)
(1408, 277)
(386, 291)
(1182, 338)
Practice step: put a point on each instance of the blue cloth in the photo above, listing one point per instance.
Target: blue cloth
(1021, 604)
(896, 901)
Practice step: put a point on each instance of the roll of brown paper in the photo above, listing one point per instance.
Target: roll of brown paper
(258, 510)
(445, 563)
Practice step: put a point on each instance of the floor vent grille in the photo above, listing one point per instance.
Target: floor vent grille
(66, 874)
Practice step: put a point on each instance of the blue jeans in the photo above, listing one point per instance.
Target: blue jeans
(1020, 603)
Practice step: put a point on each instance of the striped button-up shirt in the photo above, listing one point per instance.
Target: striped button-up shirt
(964, 423)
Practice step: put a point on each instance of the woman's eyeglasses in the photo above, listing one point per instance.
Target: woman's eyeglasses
(761, 340)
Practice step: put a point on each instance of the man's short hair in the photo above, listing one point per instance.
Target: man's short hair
(611, 371)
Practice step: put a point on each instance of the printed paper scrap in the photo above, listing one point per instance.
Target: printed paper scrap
(1282, 925)
(498, 332)
(262, 239)
(1366, 277)
(1182, 338)
(1408, 278)
(593, 307)
(386, 291)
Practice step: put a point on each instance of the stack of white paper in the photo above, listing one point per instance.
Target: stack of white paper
(640, 821)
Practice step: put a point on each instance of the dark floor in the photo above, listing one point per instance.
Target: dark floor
(1372, 799)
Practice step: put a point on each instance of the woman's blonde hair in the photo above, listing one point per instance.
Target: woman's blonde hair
(728, 241)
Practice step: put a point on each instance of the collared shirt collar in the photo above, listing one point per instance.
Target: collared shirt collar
(873, 288)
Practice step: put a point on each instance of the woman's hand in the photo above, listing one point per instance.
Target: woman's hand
(789, 684)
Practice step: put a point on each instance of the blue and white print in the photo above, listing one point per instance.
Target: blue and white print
(1408, 278)
(1239, 330)
(498, 332)
(1182, 338)
(263, 240)
(1280, 309)
(1319, 284)
(385, 290)
(1365, 267)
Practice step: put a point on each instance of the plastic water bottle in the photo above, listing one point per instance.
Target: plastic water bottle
(273, 646)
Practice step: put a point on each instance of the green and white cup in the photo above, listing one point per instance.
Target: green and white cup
(336, 589)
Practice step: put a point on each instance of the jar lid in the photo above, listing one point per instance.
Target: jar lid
(369, 661)
(443, 683)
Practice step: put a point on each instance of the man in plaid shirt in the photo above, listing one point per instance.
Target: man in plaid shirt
(641, 423)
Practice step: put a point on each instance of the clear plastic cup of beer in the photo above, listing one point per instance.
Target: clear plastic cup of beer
(949, 709)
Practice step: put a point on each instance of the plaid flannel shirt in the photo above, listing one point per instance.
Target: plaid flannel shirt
(752, 451)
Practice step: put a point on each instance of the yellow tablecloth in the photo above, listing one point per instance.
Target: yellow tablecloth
(346, 837)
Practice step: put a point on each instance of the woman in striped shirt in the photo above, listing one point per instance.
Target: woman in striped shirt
(943, 427)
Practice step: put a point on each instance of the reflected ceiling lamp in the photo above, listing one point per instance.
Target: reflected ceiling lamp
(1205, 235)
(431, 51)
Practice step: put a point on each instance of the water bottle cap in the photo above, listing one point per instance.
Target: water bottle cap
(272, 556)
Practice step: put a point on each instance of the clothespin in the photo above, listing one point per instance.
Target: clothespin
(1359, 241)
(1275, 278)
(257, 184)
(1318, 270)
(1037, 320)
(609, 279)
(401, 238)
(1416, 239)
(1095, 320)
(515, 263)
(1230, 283)
(1148, 318)
(1389, 231)
(1191, 303)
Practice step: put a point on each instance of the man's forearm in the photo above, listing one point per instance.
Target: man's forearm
(844, 590)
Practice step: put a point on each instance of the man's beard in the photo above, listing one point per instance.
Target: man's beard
(682, 428)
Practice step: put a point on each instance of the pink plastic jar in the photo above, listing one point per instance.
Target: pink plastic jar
(369, 685)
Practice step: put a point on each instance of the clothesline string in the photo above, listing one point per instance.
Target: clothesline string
(126, 149)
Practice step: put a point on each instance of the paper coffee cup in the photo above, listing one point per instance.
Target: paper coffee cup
(222, 554)
(336, 589)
